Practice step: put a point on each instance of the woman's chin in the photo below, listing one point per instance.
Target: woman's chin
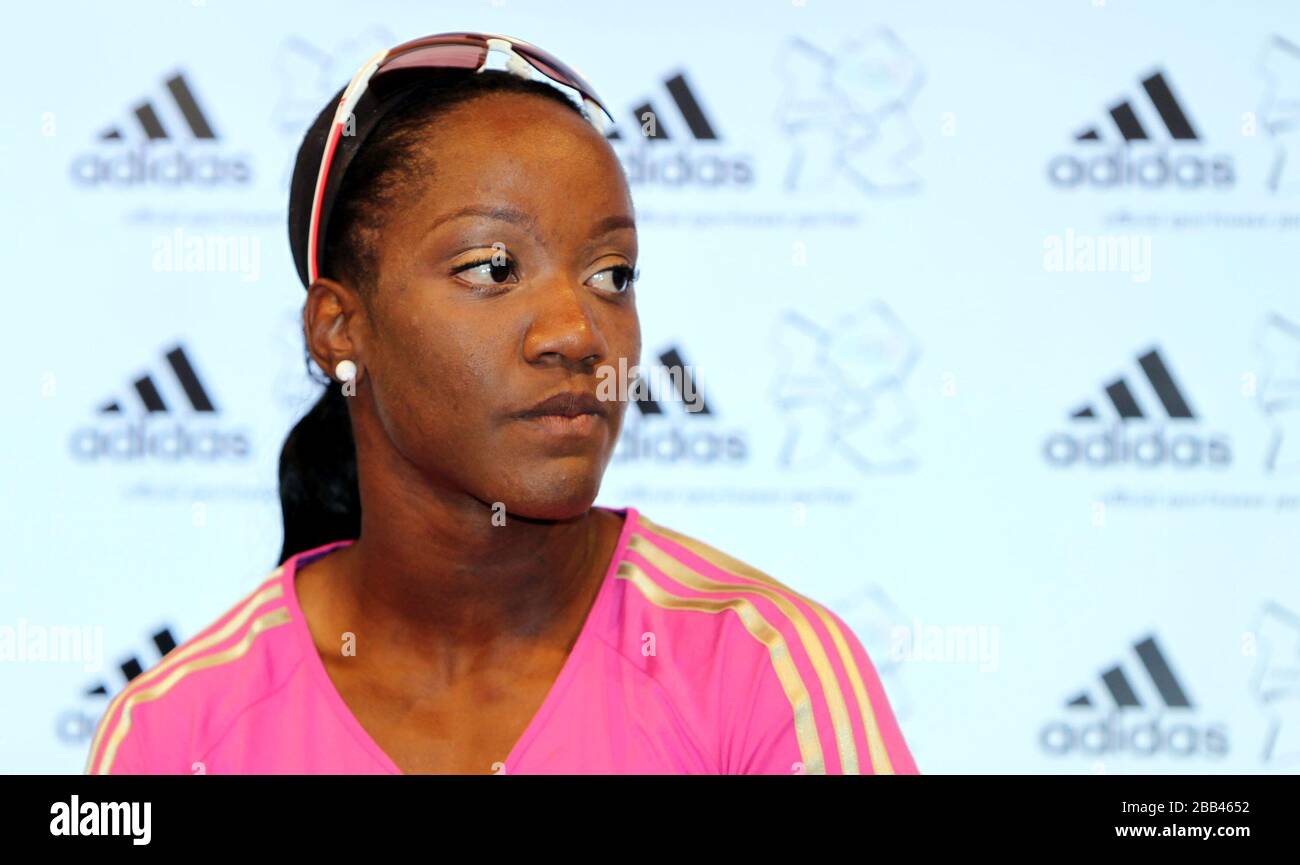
(560, 501)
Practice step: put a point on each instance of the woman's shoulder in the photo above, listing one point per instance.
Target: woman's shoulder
(676, 575)
(169, 714)
(681, 561)
(782, 666)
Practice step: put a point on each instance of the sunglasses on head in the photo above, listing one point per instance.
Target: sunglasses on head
(469, 51)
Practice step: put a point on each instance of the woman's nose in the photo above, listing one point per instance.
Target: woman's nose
(563, 329)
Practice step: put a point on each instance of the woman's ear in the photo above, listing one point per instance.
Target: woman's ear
(332, 321)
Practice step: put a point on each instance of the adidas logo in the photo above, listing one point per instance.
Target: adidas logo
(163, 641)
(1118, 685)
(1128, 125)
(685, 165)
(1129, 442)
(164, 130)
(1161, 116)
(659, 434)
(648, 121)
(1162, 384)
(152, 127)
(123, 435)
(677, 376)
(150, 397)
(1110, 736)
(75, 726)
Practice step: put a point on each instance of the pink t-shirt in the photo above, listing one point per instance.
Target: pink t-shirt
(688, 662)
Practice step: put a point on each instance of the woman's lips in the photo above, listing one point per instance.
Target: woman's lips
(564, 426)
(569, 414)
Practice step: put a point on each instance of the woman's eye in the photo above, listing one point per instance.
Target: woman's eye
(488, 272)
(615, 280)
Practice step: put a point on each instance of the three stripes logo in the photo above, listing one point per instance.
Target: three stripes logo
(163, 641)
(682, 382)
(152, 400)
(1116, 683)
(691, 161)
(75, 726)
(1130, 127)
(1125, 696)
(673, 422)
(1162, 385)
(647, 120)
(137, 426)
(146, 115)
(1143, 128)
(174, 145)
(1138, 405)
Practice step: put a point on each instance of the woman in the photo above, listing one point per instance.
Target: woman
(448, 599)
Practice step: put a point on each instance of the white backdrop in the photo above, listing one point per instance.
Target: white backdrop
(899, 275)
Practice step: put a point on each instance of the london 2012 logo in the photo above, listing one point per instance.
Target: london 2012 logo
(847, 115)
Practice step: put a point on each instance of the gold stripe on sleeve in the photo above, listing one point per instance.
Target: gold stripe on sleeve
(679, 571)
(177, 656)
(278, 616)
(810, 749)
(876, 750)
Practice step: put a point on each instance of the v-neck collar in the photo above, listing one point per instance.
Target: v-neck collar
(316, 666)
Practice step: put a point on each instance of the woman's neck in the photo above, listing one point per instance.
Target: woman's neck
(472, 574)
(433, 580)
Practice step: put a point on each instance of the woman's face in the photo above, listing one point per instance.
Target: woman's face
(502, 283)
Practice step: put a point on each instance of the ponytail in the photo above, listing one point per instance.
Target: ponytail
(319, 497)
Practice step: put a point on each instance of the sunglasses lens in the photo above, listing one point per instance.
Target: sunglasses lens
(557, 71)
(449, 55)
(467, 51)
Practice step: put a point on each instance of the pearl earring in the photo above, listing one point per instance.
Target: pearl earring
(346, 370)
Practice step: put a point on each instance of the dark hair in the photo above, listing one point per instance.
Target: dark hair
(319, 497)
